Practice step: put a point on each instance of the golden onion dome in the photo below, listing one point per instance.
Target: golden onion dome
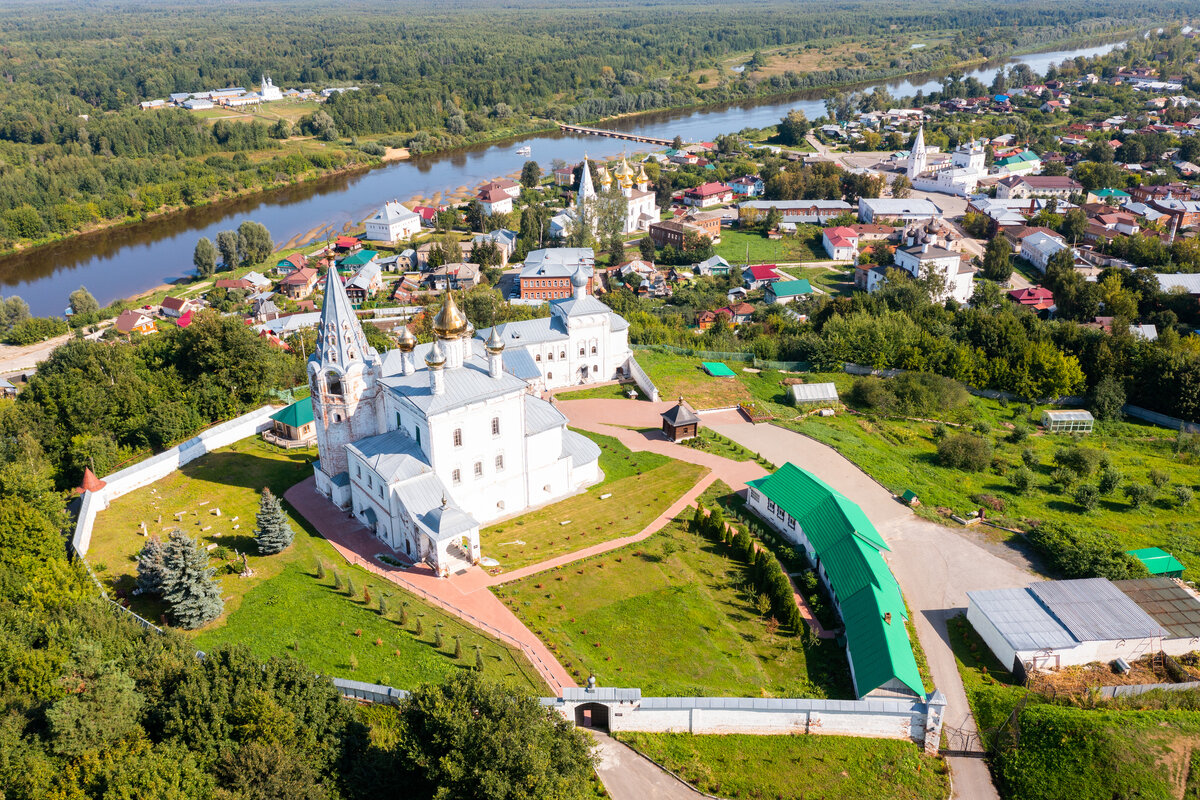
(642, 177)
(450, 323)
(407, 341)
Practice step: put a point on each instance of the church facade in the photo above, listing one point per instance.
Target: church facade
(641, 208)
(425, 443)
(958, 175)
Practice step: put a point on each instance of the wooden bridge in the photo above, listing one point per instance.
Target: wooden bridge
(629, 137)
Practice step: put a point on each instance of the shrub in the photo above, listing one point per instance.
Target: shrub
(964, 451)
(1110, 479)
(982, 428)
(1081, 460)
(1019, 433)
(1139, 494)
(1084, 553)
(1086, 496)
(1029, 458)
(1063, 477)
(1183, 495)
(1159, 478)
(1021, 479)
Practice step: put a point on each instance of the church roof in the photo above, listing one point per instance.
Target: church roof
(529, 331)
(579, 448)
(470, 383)
(541, 416)
(681, 414)
(577, 306)
(340, 337)
(448, 520)
(393, 456)
(586, 190)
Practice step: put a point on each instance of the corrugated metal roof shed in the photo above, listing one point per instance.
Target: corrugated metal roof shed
(1170, 605)
(1094, 610)
(1023, 622)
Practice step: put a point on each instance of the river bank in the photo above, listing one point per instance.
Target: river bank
(136, 255)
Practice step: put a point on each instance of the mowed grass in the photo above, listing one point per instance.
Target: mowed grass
(671, 615)
(737, 246)
(842, 767)
(833, 281)
(283, 609)
(639, 487)
(614, 391)
(682, 376)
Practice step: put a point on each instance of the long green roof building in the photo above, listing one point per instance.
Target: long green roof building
(847, 552)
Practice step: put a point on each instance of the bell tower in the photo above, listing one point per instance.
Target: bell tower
(343, 373)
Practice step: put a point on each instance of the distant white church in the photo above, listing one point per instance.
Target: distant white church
(269, 91)
(641, 209)
(958, 175)
(425, 443)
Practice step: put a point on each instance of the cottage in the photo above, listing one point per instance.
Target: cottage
(784, 292)
(1037, 298)
(680, 422)
(708, 195)
(841, 243)
(759, 275)
(134, 321)
(299, 284)
(458, 275)
(365, 284)
(495, 201)
(293, 426)
(674, 233)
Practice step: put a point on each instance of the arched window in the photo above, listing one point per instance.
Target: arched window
(549, 376)
(458, 437)
(563, 354)
(537, 357)
(593, 350)
(550, 356)
(333, 383)
(582, 351)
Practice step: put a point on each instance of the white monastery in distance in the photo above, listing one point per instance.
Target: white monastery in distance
(640, 210)
(425, 443)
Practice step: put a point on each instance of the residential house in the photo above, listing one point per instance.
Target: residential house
(392, 223)
(759, 275)
(505, 241)
(346, 244)
(1038, 248)
(737, 313)
(714, 265)
(459, 275)
(356, 261)
(707, 221)
(841, 243)
(495, 201)
(1184, 213)
(509, 187)
(708, 195)
(873, 233)
(1015, 186)
(564, 176)
(265, 310)
(233, 284)
(134, 320)
(673, 232)
(176, 306)
(747, 186)
(365, 284)
(299, 284)
(1038, 298)
(806, 212)
(784, 292)
(1023, 162)
(551, 274)
(286, 266)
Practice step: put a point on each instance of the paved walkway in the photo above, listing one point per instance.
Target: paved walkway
(935, 565)
(628, 775)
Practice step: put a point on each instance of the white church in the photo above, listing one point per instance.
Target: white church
(640, 207)
(425, 443)
(958, 175)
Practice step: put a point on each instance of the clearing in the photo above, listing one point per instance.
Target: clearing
(672, 616)
(682, 376)
(848, 768)
(639, 487)
(742, 247)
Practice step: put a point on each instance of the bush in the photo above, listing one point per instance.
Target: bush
(1084, 554)
(1019, 433)
(1110, 479)
(1083, 461)
(911, 393)
(1159, 478)
(1021, 479)
(1063, 477)
(1029, 458)
(1183, 495)
(982, 428)
(964, 451)
(1139, 494)
(1086, 496)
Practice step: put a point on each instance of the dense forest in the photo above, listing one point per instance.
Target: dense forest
(76, 151)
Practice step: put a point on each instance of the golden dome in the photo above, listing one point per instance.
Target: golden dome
(449, 322)
(407, 341)
(642, 177)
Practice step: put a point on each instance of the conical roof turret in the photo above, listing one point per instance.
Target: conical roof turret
(587, 189)
(407, 341)
(494, 343)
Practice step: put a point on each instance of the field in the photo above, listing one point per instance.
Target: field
(738, 246)
(283, 609)
(640, 487)
(682, 376)
(291, 110)
(847, 768)
(670, 615)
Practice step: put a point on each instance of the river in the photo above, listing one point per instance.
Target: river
(122, 261)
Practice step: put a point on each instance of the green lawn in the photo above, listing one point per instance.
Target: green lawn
(902, 455)
(842, 767)
(736, 246)
(835, 282)
(283, 609)
(615, 391)
(682, 376)
(639, 487)
(711, 442)
(670, 616)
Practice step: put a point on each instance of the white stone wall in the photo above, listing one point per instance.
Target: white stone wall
(146, 472)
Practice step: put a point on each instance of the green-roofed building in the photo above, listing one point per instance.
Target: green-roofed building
(293, 425)
(784, 292)
(846, 550)
(717, 369)
(1159, 562)
(354, 261)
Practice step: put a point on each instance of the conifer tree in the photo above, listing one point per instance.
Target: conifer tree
(272, 533)
(188, 588)
(151, 570)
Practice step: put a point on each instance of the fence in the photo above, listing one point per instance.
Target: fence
(642, 380)
(1162, 420)
(717, 355)
(152, 469)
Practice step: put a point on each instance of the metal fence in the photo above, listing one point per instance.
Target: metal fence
(717, 355)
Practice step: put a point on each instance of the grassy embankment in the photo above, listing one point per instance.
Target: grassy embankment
(284, 609)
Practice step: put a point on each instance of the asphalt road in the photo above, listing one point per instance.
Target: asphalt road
(629, 776)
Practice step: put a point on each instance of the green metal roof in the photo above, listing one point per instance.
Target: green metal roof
(1111, 193)
(1157, 560)
(880, 651)
(297, 415)
(357, 259)
(848, 547)
(791, 288)
(717, 369)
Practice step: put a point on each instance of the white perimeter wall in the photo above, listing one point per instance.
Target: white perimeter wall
(146, 472)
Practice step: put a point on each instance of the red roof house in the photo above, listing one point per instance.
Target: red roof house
(1036, 297)
(759, 275)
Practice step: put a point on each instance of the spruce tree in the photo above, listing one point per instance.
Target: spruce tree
(151, 570)
(272, 533)
(188, 588)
